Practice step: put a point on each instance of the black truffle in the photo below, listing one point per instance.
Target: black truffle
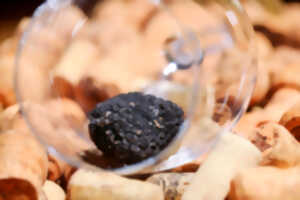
(132, 127)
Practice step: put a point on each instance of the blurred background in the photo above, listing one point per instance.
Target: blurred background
(276, 23)
(12, 11)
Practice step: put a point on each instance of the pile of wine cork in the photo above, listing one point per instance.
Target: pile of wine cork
(258, 160)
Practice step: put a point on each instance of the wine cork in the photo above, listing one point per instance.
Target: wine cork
(23, 166)
(173, 184)
(291, 120)
(265, 183)
(103, 185)
(53, 191)
(212, 180)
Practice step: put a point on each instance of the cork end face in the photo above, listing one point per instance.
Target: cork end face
(17, 189)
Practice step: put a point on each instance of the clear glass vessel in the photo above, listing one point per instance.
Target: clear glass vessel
(199, 54)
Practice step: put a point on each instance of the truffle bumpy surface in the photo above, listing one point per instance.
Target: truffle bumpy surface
(132, 127)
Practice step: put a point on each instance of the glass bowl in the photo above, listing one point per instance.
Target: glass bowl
(77, 54)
